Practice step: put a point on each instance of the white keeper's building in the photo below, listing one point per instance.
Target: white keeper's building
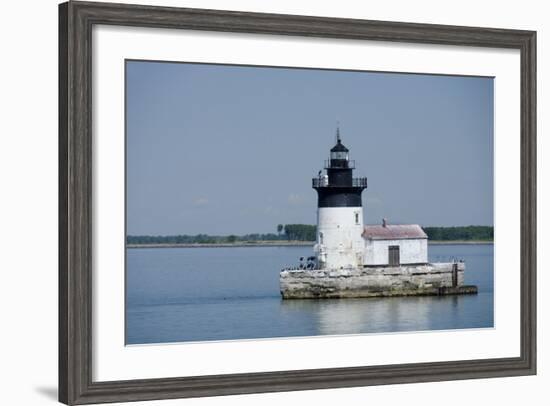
(394, 245)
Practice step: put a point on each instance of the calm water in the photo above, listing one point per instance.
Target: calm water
(198, 294)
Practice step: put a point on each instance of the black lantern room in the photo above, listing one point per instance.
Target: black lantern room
(338, 188)
(339, 154)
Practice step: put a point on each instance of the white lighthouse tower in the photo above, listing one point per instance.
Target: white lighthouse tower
(339, 212)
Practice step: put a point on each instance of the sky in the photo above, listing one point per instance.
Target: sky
(224, 149)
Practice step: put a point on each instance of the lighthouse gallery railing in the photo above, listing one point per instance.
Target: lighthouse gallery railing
(323, 182)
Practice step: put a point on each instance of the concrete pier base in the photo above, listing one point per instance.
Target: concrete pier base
(375, 281)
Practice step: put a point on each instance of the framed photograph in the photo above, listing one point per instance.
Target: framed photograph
(259, 202)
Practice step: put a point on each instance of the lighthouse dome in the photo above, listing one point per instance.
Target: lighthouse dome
(339, 147)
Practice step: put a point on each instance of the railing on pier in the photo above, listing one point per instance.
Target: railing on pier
(323, 182)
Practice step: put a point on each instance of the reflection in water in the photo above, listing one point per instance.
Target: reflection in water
(354, 316)
(374, 315)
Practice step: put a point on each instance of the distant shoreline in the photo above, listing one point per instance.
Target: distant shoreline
(227, 244)
(460, 242)
(277, 244)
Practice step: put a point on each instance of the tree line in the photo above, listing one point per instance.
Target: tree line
(287, 232)
(466, 233)
(305, 232)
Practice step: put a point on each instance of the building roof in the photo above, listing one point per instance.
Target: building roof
(393, 232)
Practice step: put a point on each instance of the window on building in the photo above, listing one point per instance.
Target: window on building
(356, 217)
(393, 255)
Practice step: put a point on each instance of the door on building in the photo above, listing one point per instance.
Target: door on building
(393, 252)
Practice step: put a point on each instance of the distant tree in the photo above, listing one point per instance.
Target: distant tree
(300, 232)
(280, 228)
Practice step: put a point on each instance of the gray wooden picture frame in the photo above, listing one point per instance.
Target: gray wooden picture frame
(76, 20)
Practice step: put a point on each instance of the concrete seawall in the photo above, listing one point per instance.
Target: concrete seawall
(375, 281)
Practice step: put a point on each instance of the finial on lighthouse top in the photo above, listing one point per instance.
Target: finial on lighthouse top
(339, 147)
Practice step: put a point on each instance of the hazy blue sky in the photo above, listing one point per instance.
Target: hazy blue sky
(221, 149)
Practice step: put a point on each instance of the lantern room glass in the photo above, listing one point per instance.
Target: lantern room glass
(339, 155)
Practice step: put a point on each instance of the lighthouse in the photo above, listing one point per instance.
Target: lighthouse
(339, 244)
(377, 260)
